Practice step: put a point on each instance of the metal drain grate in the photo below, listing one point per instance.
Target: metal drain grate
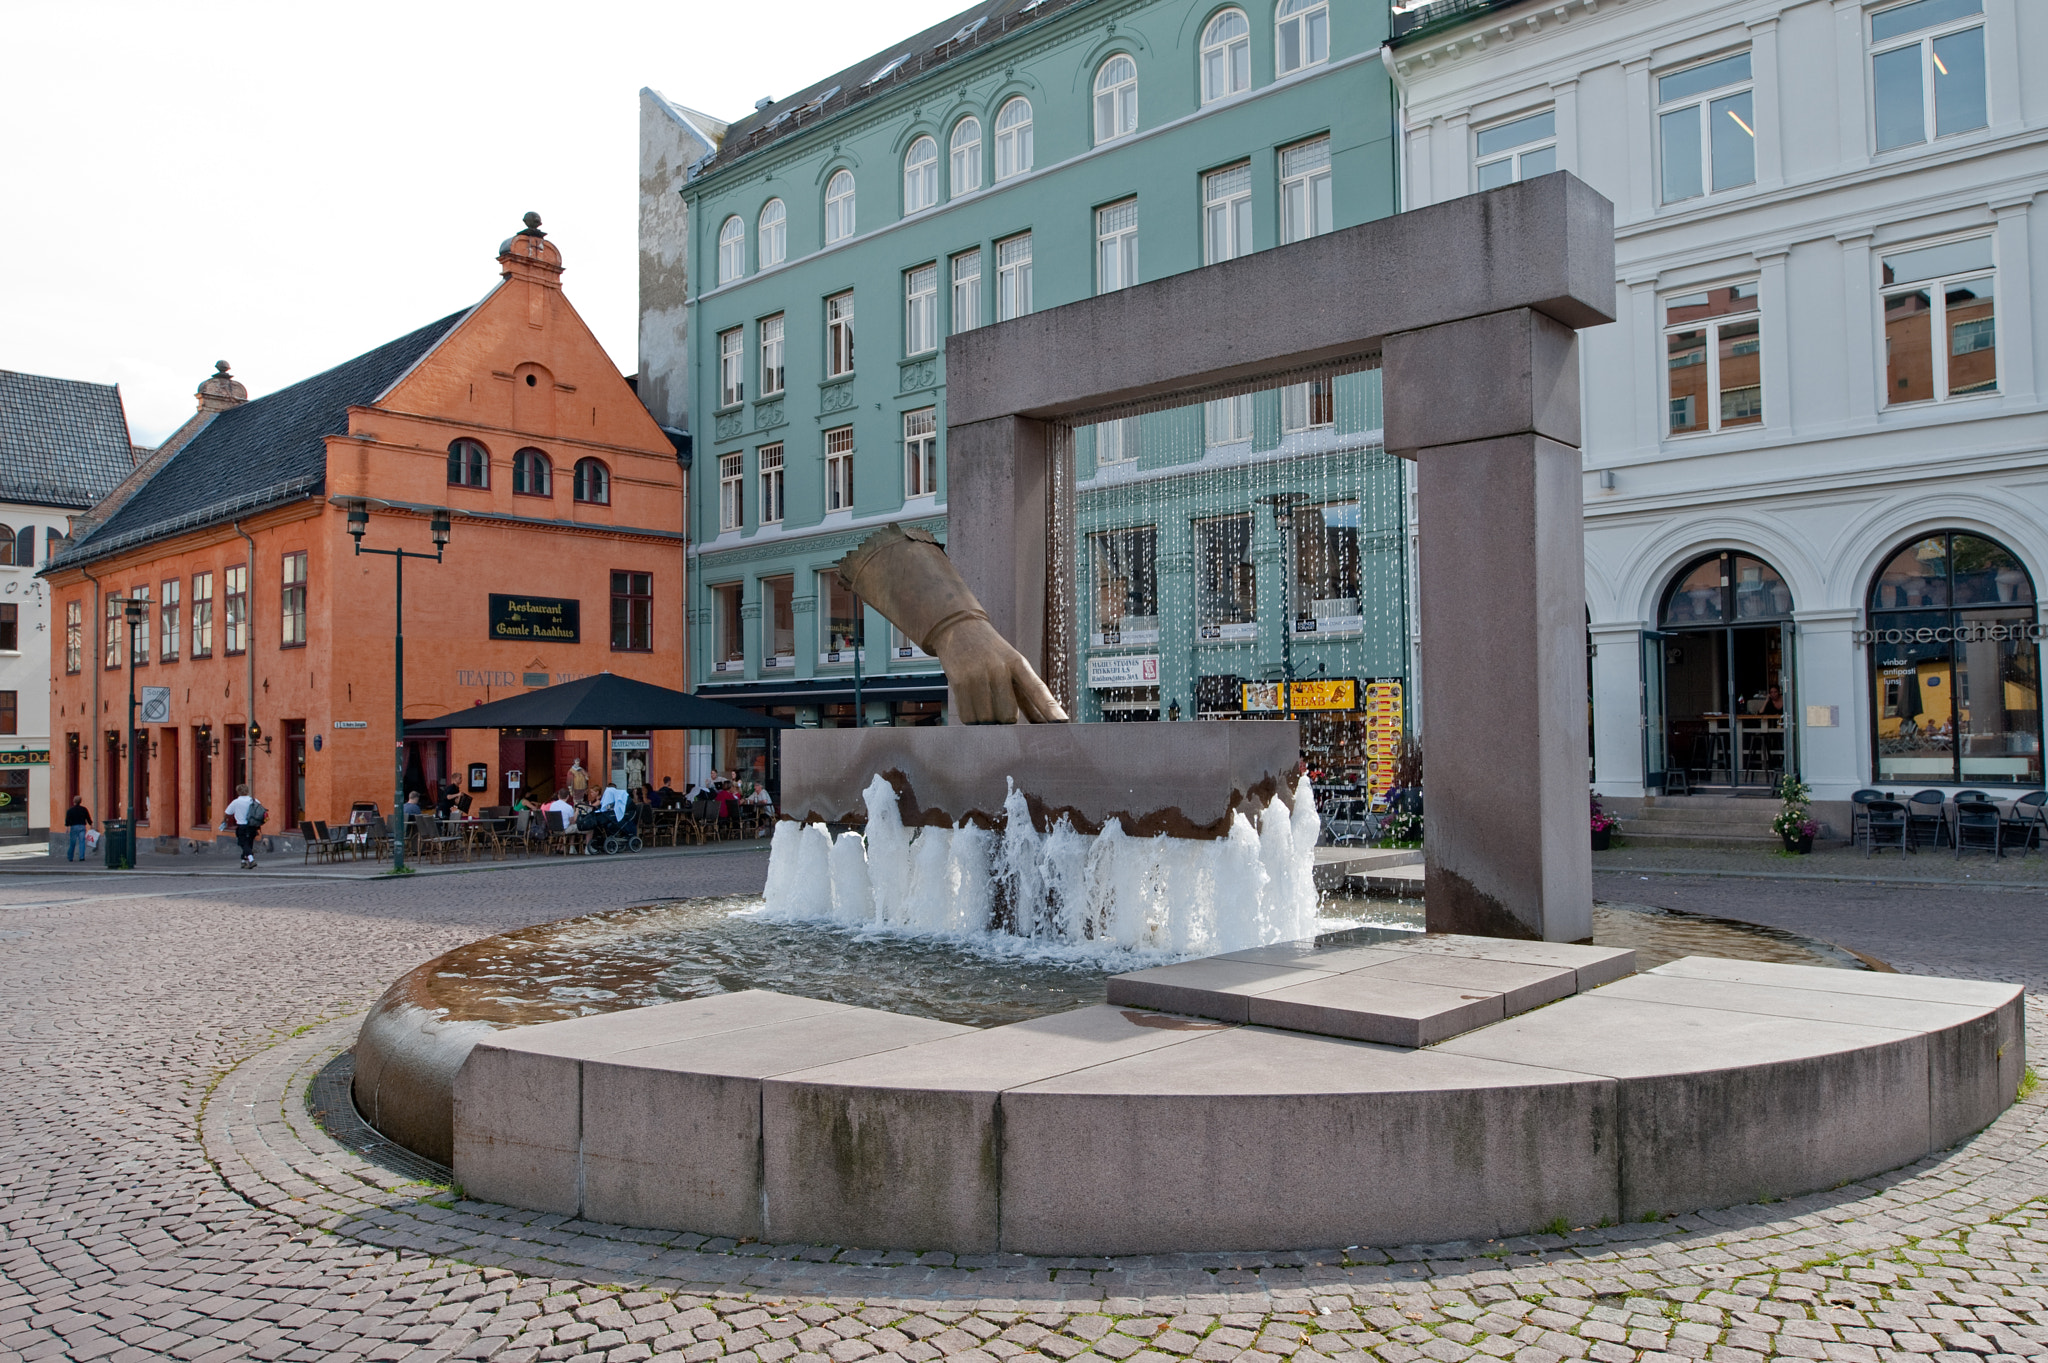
(331, 1102)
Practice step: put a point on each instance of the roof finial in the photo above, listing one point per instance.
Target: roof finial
(220, 366)
(532, 221)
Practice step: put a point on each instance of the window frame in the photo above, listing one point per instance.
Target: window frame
(839, 470)
(732, 249)
(1300, 15)
(732, 367)
(1013, 279)
(1014, 140)
(774, 483)
(1230, 205)
(525, 462)
(967, 154)
(732, 478)
(1309, 406)
(968, 288)
(1712, 325)
(111, 603)
(840, 207)
(10, 627)
(1924, 39)
(1317, 185)
(581, 484)
(921, 309)
(828, 587)
(469, 463)
(728, 626)
(1115, 100)
(291, 599)
(921, 452)
(1116, 245)
(638, 602)
(138, 630)
(74, 637)
(1937, 287)
(1514, 154)
(235, 610)
(170, 637)
(1234, 49)
(1703, 100)
(921, 178)
(202, 614)
(1227, 421)
(839, 337)
(775, 230)
(774, 355)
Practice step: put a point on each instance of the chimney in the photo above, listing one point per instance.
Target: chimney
(221, 391)
(531, 256)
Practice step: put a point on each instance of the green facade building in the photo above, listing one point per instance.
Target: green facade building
(1017, 157)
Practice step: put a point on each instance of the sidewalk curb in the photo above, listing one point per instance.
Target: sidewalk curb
(673, 853)
(2026, 887)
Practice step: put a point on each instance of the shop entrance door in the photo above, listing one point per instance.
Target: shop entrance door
(1656, 737)
(1725, 654)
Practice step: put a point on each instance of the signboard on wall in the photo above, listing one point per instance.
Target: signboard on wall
(1124, 669)
(26, 757)
(156, 704)
(536, 619)
(1335, 693)
(1383, 720)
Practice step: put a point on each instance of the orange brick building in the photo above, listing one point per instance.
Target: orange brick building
(274, 639)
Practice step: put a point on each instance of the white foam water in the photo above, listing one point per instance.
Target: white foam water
(1062, 893)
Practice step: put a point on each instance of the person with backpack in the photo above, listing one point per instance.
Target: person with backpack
(246, 814)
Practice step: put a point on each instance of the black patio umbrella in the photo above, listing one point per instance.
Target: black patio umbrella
(605, 701)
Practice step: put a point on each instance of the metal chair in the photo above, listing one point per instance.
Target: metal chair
(309, 841)
(1979, 822)
(1886, 824)
(1927, 811)
(2026, 821)
(1860, 801)
(1677, 781)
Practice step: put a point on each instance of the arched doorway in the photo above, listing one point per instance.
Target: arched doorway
(1717, 676)
(1955, 664)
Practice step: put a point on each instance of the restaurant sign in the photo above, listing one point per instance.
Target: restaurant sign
(536, 619)
(1330, 694)
(26, 757)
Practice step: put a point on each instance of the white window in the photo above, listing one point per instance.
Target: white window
(1305, 191)
(731, 472)
(966, 156)
(1519, 150)
(1013, 277)
(1941, 327)
(1303, 31)
(966, 291)
(921, 176)
(839, 206)
(1927, 71)
(1713, 353)
(1116, 246)
(771, 356)
(1305, 406)
(1013, 138)
(921, 452)
(774, 241)
(1227, 214)
(732, 382)
(839, 469)
(1228, 421)
(838, 335)
(1706, 128)
(921, 310)
(732, 250)
(1116, 98)
(1226, 56)
(1117, 442)
(771, 484)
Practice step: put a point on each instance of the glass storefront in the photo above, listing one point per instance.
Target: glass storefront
(1955, 669)
(1718, 675)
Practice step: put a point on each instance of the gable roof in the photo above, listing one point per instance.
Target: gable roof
(63, 442)
(262, 453)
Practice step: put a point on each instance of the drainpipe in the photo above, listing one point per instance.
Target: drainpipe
(1400, 125)
(92, 735)
(249, 651)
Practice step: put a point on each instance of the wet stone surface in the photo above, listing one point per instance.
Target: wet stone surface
(164, 1194)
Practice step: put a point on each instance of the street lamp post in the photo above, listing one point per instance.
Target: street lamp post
(358, 523)
(135, 611)
(1283, 521)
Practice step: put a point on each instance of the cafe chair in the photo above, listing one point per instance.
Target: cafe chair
(1885, 824)
(1927, 810)
(1978, 823)
(2026, 822)
(1859, 802)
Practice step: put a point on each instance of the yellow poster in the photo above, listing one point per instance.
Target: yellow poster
(1383, 720)
(1336, 694)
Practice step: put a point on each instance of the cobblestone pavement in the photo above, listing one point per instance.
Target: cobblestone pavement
(1835, 861)
(164, 1194)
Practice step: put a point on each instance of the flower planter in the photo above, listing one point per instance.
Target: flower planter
(1802, 844)
(1601, 838)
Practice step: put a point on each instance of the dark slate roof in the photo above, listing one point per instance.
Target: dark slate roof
(262, 453)
(1438, 15)
(940, 45)
(63, 442)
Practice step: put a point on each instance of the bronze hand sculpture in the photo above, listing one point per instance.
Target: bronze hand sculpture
(906, 576)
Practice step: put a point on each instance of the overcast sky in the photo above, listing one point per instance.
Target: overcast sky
(285, 185)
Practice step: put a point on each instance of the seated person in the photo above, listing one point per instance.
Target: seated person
(560, 805)
(726, 799)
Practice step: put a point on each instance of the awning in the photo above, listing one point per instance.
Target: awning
(605, 701)
(834, 690)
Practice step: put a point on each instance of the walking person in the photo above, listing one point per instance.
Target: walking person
(77, 820)
(246, 815)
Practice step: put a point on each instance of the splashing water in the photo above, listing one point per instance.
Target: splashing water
(1103, 895)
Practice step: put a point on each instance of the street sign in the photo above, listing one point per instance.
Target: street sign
(156, 704)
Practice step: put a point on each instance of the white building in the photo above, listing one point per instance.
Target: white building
(1814, 436)
(63, 446)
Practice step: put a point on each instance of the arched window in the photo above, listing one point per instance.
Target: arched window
(773, 244)
(1013, 138)
(1303, 35)
(732, 250)
(1719, 676)
(1954, 665)
(1116, 98)
(1226, 56)
(593, 482)
(25, 547)
(839, 206)
(532, 474)
(920, 176)
(6, 546)
(966, 156)
(469, 464)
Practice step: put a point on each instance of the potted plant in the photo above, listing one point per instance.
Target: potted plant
(1794, 824)
(1604, 825)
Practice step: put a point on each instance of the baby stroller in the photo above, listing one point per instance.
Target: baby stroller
(612, 834)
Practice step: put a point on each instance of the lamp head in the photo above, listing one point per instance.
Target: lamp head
(136, 608)
(358, 519)
(440, 525)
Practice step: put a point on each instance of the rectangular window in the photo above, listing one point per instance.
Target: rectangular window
(771, 485)
(731, 627)
(202, 615)
(113, 607)
(1013, 277)
(1324, 594)
(839, 469)
(10, 712)
(771, 355)
(138, 629)
(1941, 332)
(1713, 352)
(1302, 36)
(1706, 128)
(1116, 246)
(921, 310)
(74, 636)
(1118, 442)
(921, 452)
(1126, 586)
(1519, 150)
(632, 612)
(839, 336)
(1226, 214)
(731, 501)
(10, 628)
(174, 626)
(1226, 582)
(778, 620)
(732, 369)
(236, 590)
(292, 601)
(1227, 421)
(1304, 406)
(1927, 71)
(840, 626)
(966, 291)
(1305, 191)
